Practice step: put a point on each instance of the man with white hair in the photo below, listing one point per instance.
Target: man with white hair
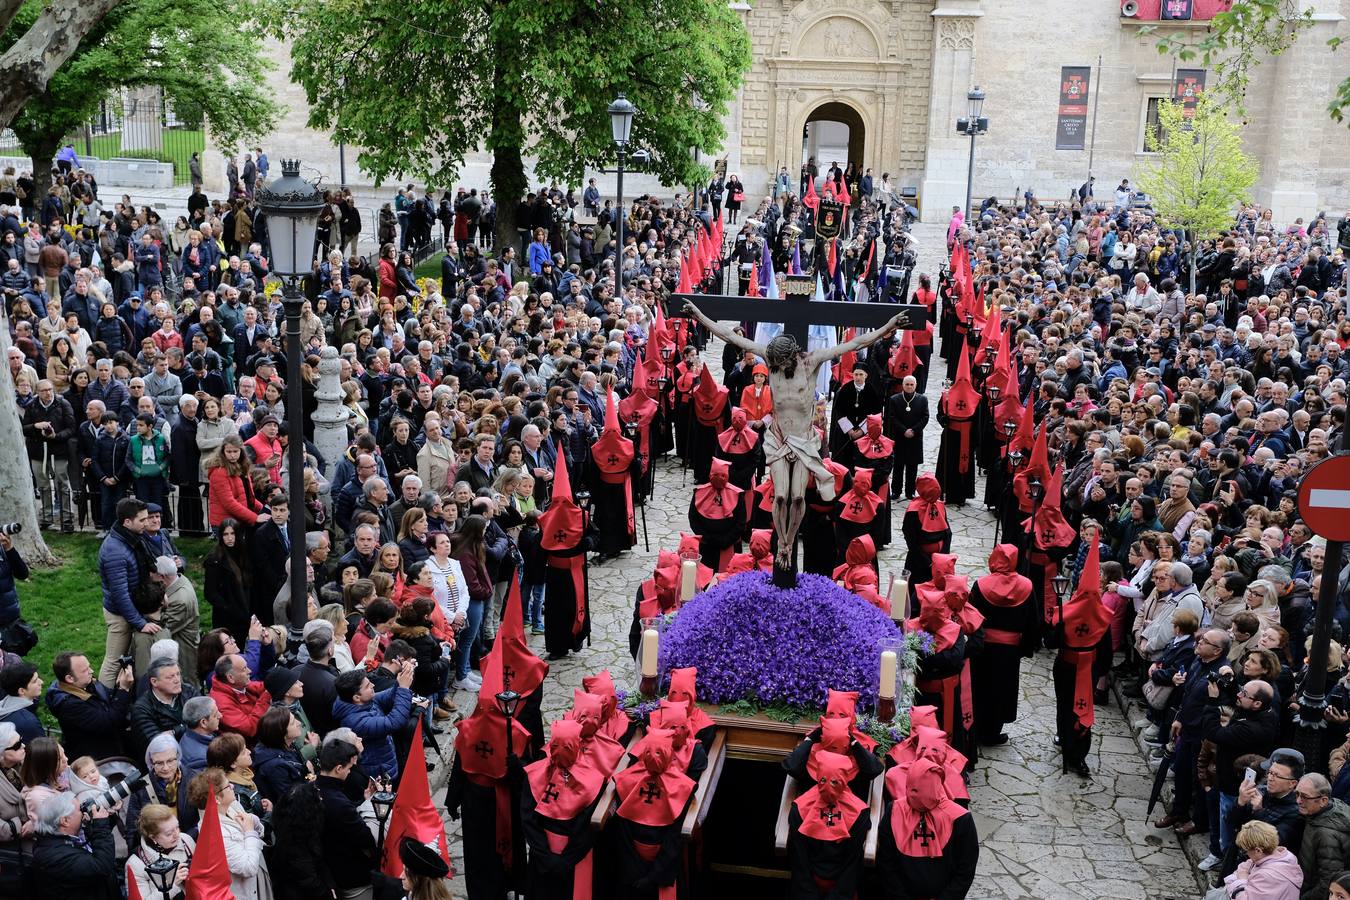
(181, 616)
(69, 858)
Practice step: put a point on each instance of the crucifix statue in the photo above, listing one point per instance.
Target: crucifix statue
(791, 447)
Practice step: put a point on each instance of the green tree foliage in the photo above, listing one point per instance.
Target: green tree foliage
(420, 85)
(206, 56)
(1237, 40)
(1200, 173)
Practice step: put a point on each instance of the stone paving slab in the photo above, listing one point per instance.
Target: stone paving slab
(1043, 834)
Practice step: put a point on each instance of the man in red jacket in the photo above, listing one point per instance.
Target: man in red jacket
(241, 702)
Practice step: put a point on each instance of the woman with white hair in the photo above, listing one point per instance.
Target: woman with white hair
(14, 821)
(165, 782)
(1263, 600)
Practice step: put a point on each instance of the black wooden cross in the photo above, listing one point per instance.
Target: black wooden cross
(549, 793)
(649, 793)
(797, 311)
(923, 832)
(483, 748)
(829, 815)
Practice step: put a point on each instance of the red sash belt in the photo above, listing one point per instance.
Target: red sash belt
(1003, 638)
(824, 885)
(626, 480)
(963, 431)
(503, 823)
(931, 548)
(947, 688)
(647, 853)
(574, 563)
(1049, 568)
(1082, 661)
(967, 706)
(582, 874)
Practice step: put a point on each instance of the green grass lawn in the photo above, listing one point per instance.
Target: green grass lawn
(179, 144)
(429, 267)
(65, 604)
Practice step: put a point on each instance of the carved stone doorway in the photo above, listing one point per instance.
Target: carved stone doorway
(834, 132)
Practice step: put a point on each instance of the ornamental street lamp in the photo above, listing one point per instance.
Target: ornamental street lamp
(292, 206)
(163, 872)
(973, 125)
(621, 113)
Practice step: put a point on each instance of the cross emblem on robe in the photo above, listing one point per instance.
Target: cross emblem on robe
(1081, 631)
(507, 674)
(611, 459)
(549, 793)
(923, 833)
(1080, 705)
(650, 793)
(483, 749)
(856, 506)
(829, 815)
(559, 536)
(961, 405)
(717, 499)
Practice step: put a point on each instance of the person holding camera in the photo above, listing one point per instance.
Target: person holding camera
(12, 567)
(1211, 650)
(1253, 727)
(72, 858)
(376, 718)
(92, 717)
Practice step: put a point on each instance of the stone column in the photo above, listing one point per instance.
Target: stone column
(330, 418)
(142, 118)
(947, 153)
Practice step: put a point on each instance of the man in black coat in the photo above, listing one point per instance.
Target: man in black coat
(271, 550)
(49, 430)
(69, 859)
(185, 465)
(320, 680)
(92, 718)
(906, 418)
(349, 849)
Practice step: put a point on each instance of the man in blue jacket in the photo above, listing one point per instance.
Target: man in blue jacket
(12, 566)
(375, 717)
(123, 563)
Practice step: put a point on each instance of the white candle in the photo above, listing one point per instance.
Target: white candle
(651, 641)
(899, 599)
(688, 578)
(888, 663)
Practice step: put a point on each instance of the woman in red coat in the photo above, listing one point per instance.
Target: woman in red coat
(388, 272)
(230, 493)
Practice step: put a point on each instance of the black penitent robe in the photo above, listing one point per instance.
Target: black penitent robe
(995, 674)
(702, 442)
(957, 486)
(917, 560)
(945, 877)
(817, 535)
(637, 876)
(486, 876)
(938, 683)
(1074, 740)
(869, 766)
(612, 508)
(718, 535)
(550, 875)
(836, 866)
(560, 597)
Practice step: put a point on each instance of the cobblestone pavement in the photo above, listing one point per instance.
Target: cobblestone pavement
(1042, 834)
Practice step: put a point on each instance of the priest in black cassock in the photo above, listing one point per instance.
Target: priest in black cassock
(560, 794)
(1011, 632)
(853, 403)
(613, 462)
(928, 845)
(567, 611)
(653, 796)
(827, 827)
(956, 455)
(717, 515)
(906, 418)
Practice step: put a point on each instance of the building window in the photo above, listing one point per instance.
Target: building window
(1150, 122)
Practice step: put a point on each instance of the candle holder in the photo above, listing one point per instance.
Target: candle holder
(648, 654)
(888, 671)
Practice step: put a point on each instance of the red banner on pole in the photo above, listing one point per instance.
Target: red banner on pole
(1071, 128)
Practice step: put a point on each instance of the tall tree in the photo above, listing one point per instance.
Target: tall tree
(1200, 173)
(1236, 41)
(203, 55)
(32, 57)
(420, 85)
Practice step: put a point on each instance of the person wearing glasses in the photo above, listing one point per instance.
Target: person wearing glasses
(1211, 649)
(1252, 728)
(1274, 801)
(1326, 834)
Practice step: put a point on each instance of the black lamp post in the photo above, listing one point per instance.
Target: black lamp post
(508, 700)
(292, 206)
(1061, 585)
(382, 802)
(621, 126)
(163, 872)
(972, 125)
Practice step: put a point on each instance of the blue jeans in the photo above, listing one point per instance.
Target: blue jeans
(109, 495)
(1226, 832)
(533, 597)
(468, 636)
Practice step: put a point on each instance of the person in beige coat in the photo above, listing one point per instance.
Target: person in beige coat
(436, 459)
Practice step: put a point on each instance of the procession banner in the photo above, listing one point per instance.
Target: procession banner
(1186, 90)
(1177, 9)
(1071, 130)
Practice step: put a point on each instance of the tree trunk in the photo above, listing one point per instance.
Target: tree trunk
(1192, 267)
(17, 500)
(42, 151)
(34, 58)
(508, 167)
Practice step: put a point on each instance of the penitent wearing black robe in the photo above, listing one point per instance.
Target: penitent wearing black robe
(945, 877)
(825, 870)
(1011, 633)
(564, 571)
(550, 874)
(869, 766)
(644, 858)
(474, 801)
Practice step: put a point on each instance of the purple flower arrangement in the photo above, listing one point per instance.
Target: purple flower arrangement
(774, 647)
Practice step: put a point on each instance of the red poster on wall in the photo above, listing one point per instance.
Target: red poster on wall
(1071, 128)
(1186, 90)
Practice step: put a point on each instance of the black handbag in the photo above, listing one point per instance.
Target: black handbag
(18, 638)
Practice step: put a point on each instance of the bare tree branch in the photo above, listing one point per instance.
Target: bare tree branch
(34, 58)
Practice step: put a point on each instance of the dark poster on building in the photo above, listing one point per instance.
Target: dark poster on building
(1177, 9)
(1190, 84)
(1071, 129)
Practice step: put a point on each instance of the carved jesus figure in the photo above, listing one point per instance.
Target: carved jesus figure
(791, 447)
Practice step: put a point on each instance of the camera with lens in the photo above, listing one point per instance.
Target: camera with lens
(114, 794)
(125, 660)
(1223, 679)
(9, 529)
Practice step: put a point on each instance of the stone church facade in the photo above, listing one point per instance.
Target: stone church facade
(896, 73)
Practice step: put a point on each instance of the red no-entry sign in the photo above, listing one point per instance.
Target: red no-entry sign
(1324, 498)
